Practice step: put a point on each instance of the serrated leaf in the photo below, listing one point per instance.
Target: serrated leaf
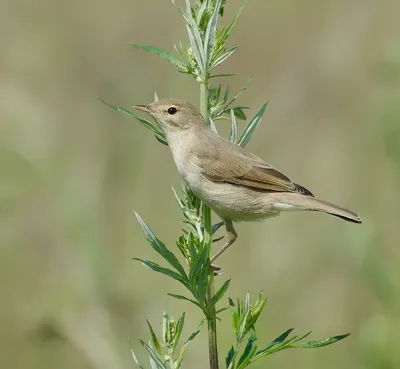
(163, 53)
(219, 294)
(144, 122)
(158, 246)
(180, 297)
(159, 269)
(233, 134)
(154, 339)
(322, 343)
(229, 357)
(251, 126)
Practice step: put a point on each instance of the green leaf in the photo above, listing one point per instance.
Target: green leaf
(222, 75)
(152, 355)
(144, 122)
(217, 226)
(158, 246)
(186, 344)
(180, 297)
(161, 141)
(163, 53)
(317, 344)
(181, 10)
(244, 88)
(230, 27)
(154, 339)
(239, 113)
(251, 126)
(229, 357)
(223, 57)
(219, 294)
(248, 352)
(178, 331)
(136, 360)
(157, 268)
(233, 135)
(211, 31)
(243, 316)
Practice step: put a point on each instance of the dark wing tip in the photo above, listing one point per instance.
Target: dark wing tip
(303, 190)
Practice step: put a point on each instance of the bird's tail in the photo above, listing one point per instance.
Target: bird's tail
(332, 209)
(302, 202)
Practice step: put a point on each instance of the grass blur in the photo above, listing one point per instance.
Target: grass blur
(72, 170)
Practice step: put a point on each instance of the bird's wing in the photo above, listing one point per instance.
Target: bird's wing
(241, 168)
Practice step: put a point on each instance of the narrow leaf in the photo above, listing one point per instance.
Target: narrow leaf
(161, 141)
(186, 344)
(230, 27)
(223, 57)
(144, 122)
(158, 246)
(154, 339)
(217, 226)
(229, 357)
(152, 355)
(136, 360)
(180, 297)
(209, 37)
(159, 269)
(251, 126)
(163, 53)
(233, 135)
(219, 294)
(317, 344)
(248, 352)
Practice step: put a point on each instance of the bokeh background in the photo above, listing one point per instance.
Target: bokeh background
(72, 170)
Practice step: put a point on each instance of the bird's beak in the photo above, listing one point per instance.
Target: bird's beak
(142, 108)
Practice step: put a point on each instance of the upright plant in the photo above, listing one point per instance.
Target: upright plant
(207, 50)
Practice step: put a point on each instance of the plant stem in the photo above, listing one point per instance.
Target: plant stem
(211, 316)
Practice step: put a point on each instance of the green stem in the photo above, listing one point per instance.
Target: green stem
(212, 315)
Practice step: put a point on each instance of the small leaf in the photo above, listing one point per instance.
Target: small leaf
(211, 31)
(178, 331)
(219, 294)
(163, 53)
(161, 141)
(229, 357)
(223, 57)
(136, 360)
(154, 338)
(157, 268)
(217, 226)
(317, 344)
(212, 124)
(233, 135)
(251, 126)
(248, 352)
(152, 355)
(222, 75)
(186, 344)
(180, 297)
(244, 88)
(158, 246)
(239, 113)
(144, 122)
(155, 97)
(230, 27)
(243, 316)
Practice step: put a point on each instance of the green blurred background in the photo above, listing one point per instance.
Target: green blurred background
(72, 170)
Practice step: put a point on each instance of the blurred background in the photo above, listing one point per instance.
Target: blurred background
(72, 171)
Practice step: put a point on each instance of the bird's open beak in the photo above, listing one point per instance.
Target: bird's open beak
(141, 108)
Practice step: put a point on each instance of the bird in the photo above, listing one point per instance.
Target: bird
(235, 183)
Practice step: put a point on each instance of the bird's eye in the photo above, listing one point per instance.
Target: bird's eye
(172, 110)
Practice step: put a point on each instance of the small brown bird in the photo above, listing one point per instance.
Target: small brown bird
(234, 183)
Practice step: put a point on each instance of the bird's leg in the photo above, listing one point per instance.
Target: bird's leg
(231, 236)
